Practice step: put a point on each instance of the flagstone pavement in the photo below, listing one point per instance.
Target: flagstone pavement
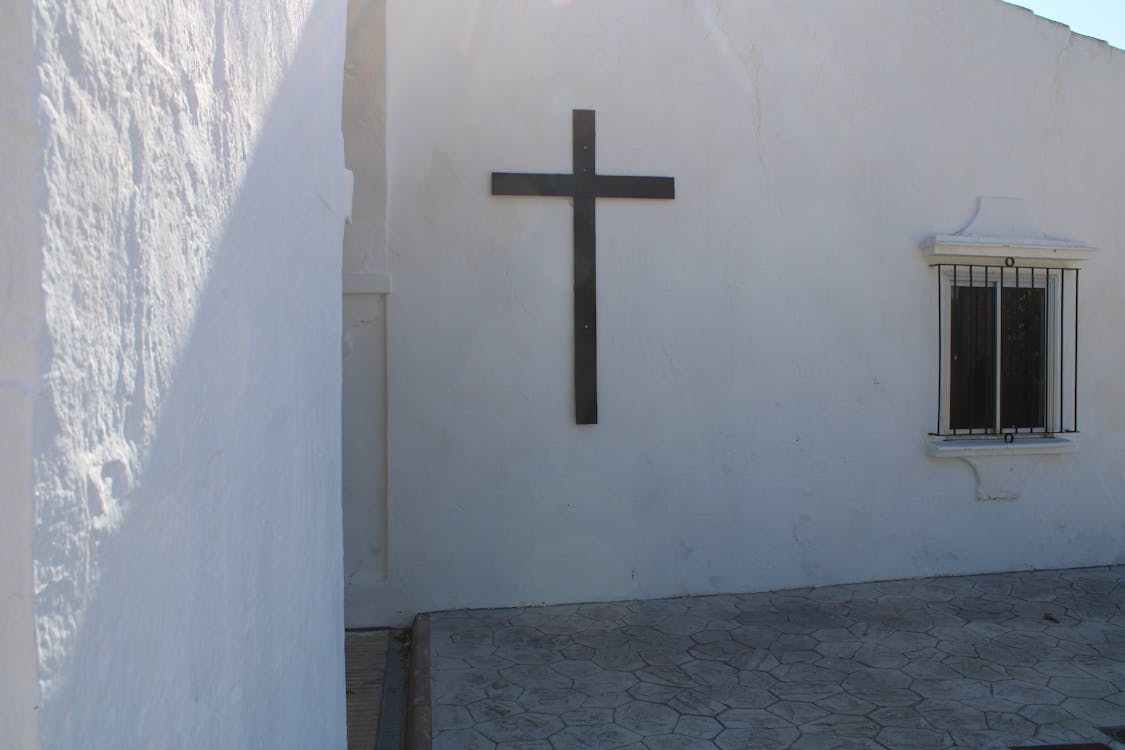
(991, 661)
(365, 660)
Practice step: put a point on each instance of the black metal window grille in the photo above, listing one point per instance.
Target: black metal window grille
(1007, 350)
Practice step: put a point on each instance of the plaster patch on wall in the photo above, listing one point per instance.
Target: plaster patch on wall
(109, 481)
(353, 328)
(808, 546)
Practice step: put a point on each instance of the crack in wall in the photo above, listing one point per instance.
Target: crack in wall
(982, 493)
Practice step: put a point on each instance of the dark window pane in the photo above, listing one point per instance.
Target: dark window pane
(972, 354)
(1023, 361)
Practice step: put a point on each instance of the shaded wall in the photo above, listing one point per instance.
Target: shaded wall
(21, 331)
(367, 284)
(186, 451)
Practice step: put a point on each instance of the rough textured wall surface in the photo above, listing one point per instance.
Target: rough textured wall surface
(21, 330)
(188, 543)
(766, 340)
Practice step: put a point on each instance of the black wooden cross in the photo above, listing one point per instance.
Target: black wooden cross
(584, 185)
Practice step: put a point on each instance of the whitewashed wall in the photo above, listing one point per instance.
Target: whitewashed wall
(767, 340)
(21, 327)
(366, 284)
(187, 542)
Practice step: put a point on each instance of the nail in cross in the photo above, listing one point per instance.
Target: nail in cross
(584, 185)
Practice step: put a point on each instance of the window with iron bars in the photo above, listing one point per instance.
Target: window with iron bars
(1007, 350)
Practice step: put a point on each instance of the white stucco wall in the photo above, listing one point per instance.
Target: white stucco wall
(366, 285)
(21, 328)
(187, 545)
(766, 340)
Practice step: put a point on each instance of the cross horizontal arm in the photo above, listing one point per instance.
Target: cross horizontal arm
(613, 186)
(522, 183)
(601, 186)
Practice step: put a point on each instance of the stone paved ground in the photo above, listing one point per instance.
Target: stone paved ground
(365, 662)
(975, 662)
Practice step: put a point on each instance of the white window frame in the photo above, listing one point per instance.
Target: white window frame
(1002, 234)
(981, 276)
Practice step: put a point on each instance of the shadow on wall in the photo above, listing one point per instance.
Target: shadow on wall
(212, 612)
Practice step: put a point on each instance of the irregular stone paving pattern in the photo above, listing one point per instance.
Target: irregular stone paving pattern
(983, 662)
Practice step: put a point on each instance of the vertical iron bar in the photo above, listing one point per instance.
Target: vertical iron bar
(997, 361)
(940, 348)
(1074, 371)
(956, 277)
(1062, 346)
(1000, 342)
(1043, 342)
(971, 282)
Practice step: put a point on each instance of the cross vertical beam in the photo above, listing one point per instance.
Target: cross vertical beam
(585, 271)
(584, 185)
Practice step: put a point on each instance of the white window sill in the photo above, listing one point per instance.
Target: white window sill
(954, 448)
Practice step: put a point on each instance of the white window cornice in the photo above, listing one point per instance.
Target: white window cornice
(1002, 228)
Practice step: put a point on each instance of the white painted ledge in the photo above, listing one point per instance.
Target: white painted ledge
(953, 448)
(367, 283)
(952, 247)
